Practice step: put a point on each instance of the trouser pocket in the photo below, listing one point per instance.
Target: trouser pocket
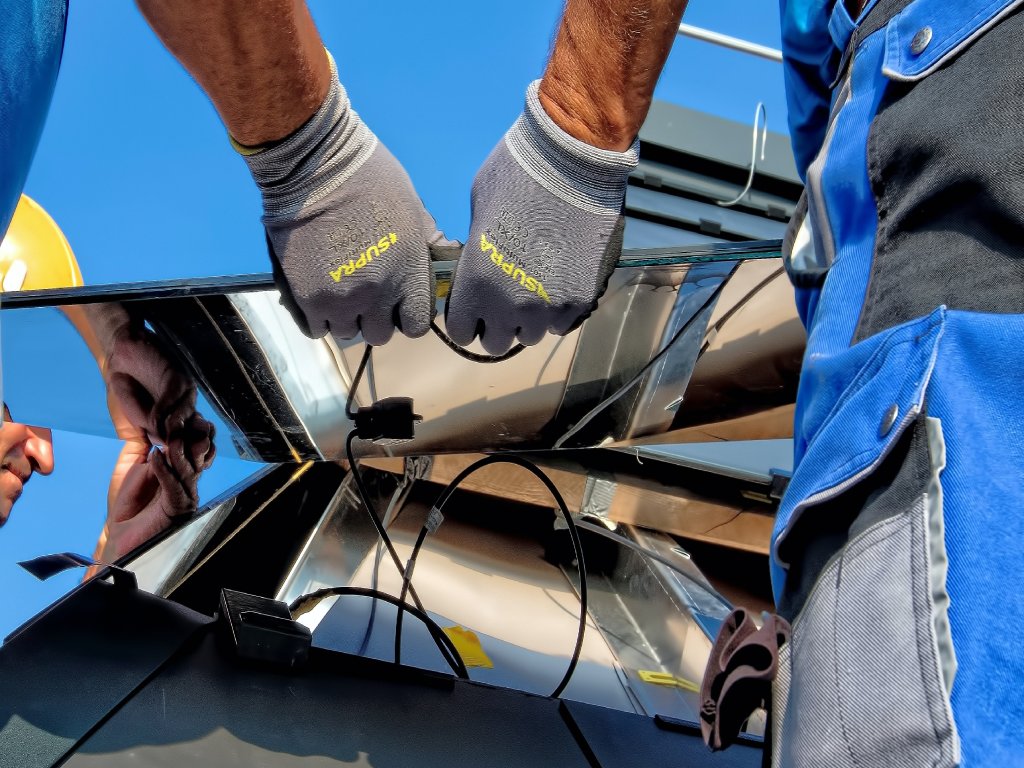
(865, 679)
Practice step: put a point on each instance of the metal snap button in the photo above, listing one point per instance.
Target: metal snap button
(888, 420)
(921, 40)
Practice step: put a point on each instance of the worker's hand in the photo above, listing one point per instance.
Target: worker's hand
(545, 235)
(152, 487)
(347, 233)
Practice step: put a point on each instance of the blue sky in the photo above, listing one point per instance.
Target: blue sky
(135, 167)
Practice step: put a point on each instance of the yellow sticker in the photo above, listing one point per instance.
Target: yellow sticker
(469, 648)
(664, 678)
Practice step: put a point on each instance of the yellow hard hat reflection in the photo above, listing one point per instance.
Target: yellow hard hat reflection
(34, 253)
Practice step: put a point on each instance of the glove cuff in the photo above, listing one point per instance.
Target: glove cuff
(588, 177)
(312, 162)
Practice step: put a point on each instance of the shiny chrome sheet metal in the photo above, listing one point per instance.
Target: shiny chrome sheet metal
(481, 577)
(718, 321)
(536, 399)
(655, 304)
(484, 570)
(487, 568)
(655, 619)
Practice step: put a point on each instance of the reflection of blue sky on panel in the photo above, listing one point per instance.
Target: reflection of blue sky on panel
(65, 512)
(135, 167)
(50, 377)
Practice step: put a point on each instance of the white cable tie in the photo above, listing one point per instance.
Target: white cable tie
(434, 520)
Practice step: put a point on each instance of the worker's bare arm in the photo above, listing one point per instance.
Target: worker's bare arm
(606, 61)
(547, 202)
(261, 62)
(264, 66)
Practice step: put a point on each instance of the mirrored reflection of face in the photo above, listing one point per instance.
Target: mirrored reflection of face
(24, 450)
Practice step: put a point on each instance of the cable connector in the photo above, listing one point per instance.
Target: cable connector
(389, 419)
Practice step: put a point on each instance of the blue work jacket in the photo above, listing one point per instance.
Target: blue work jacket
(31, 44)
(908, 261)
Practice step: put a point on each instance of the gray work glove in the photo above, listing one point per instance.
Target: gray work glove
(347, 234)
(545, 235)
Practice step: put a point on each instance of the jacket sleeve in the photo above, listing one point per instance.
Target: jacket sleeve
(809, 65)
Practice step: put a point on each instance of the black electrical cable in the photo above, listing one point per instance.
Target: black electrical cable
(298, 605)
(573, 534)
(363, 495)
(367, 352)
(597, 409)
(473, 356)
(365, 498)
(377, 557)
(406, 583)
(373, 606)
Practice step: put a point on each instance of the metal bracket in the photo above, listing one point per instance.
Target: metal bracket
(773, 493)
(50, 565)
(417, 468)
(597, 496)
(780, 482)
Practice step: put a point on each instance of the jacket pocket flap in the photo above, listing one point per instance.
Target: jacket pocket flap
(929, 33)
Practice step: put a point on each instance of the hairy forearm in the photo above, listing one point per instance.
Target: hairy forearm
(606, 61)
(261, 62)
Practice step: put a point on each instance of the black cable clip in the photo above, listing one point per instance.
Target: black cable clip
(261, 629)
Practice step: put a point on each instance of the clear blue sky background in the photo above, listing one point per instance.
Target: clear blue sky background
(135, 167)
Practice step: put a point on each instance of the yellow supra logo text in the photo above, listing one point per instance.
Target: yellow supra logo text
(347, 270)
(516, 273)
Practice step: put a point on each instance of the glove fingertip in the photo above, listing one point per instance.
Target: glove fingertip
(376, 333)
(529, 337)
(413, 316)
(344, 331)
(415, 327)
(497, 341)
(461, 328)
(565, 326)
(288, 301)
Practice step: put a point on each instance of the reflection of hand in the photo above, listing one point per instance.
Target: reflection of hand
(151, 488)
(148, 395)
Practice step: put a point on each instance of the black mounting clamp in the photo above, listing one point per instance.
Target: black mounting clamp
(262, 629)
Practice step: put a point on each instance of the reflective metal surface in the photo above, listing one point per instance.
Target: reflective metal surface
(90, 495)
(485, 569)
(686, 345)
(718, 323)
(655, 619)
